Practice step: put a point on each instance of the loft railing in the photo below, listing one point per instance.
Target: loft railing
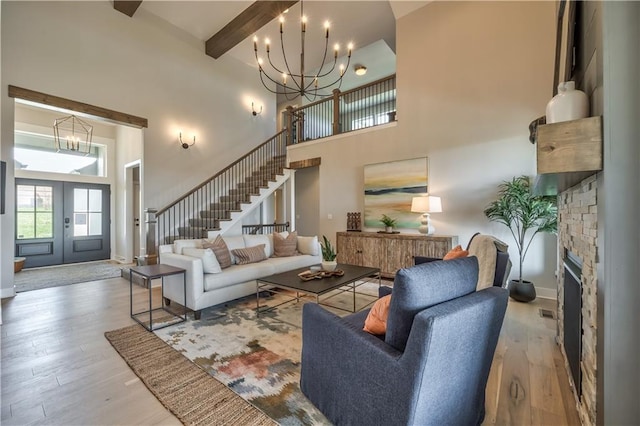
(265, 228)
(201, 209)
(366, 106)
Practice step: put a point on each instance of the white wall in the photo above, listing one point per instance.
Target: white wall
(471, 76)
(89, 52)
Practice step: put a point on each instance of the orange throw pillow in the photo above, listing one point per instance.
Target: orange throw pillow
(376, 322)
(456, 253)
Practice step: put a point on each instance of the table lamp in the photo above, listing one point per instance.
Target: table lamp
(425, 205)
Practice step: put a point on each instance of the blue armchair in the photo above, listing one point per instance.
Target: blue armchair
(430, 368)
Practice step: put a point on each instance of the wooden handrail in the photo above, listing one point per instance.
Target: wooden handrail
(162, 210)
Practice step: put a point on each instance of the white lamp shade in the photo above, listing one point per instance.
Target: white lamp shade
(428, 204)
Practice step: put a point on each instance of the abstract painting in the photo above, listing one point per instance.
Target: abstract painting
(389, 188)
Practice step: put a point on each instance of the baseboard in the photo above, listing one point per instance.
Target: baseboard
(547, 293)
(7, 292)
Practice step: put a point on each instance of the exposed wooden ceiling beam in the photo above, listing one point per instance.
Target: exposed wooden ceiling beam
(128, 7)
(58, 102)
(242, 26)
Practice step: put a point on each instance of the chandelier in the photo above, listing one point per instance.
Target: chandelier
(71, 134)
(292, 85)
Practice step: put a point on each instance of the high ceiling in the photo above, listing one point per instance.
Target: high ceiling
(369, 25)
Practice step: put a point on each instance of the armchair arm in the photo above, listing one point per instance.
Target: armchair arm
(352, 376)
(194, 277)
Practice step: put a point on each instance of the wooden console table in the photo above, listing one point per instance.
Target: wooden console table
(390, 252)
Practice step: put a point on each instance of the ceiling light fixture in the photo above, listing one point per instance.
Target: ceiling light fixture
(360, 69)
(292, 85)
(72, 134)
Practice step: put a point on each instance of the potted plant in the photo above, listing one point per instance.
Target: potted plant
(525, 214)
(388, 223)
(328, 255)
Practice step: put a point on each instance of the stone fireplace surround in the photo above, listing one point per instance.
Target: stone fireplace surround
(577, 233)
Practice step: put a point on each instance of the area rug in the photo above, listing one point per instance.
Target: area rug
(258, 358)
(191, 394)
(56, 276)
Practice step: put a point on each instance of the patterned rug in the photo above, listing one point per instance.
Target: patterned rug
(259, 358)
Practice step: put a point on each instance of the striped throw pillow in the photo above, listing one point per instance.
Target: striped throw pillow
(220, 249)
(247, 255)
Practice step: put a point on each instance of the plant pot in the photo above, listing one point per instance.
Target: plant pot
(388, 229)
(522, 291)
(329, 265)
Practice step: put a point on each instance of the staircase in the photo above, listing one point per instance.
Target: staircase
(220, 202)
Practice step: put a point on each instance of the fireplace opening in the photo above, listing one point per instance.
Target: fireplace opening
(573, 316)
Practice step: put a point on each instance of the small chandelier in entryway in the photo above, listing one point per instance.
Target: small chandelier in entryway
(71, 134)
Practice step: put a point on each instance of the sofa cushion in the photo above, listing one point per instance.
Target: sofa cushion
(423, 286)
(221, 251)
(179, 245)
(237, 274)
(234, 242)
(283, 264)
(254, 240)
(247, 255)
(285, 246)
(210, 263)
(308, 245)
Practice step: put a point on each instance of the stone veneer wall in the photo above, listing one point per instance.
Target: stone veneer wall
(577, 232)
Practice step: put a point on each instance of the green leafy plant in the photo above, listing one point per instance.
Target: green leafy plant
(522, 211)
(388, 221)
(328, 252)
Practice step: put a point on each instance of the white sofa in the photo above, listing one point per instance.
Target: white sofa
(209, 289)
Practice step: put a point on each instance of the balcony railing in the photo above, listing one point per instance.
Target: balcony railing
(366, 106)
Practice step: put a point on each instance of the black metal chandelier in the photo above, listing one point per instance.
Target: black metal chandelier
(292, 85)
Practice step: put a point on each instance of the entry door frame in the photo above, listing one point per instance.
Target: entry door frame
(131, 231)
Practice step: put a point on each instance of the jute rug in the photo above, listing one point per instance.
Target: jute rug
(56, 276)
(191, 394)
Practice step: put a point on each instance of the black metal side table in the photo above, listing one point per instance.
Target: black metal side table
(152, 272)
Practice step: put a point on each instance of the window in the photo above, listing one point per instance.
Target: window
(37, 152)
(34, 215)
(87, 212)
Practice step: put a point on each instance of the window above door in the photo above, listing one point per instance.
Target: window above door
(37, 152)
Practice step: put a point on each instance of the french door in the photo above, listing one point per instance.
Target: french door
(62, 222)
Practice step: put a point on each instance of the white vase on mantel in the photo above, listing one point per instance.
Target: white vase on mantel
(568, 104)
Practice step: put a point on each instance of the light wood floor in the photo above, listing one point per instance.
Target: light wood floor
(57, 367)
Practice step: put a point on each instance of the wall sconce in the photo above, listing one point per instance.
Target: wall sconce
(184, 144)
(253, 110)
(425, 205)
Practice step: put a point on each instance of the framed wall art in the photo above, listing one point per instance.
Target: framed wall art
(390, 187)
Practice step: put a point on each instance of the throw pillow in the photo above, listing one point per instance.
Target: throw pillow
(210, 264)
(308, 245)
(220, 249)
(247, 255)
(376, 322)
(456, 253)
(285, 247)
(234, 242)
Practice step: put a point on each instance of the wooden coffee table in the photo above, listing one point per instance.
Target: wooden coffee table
(290, 281)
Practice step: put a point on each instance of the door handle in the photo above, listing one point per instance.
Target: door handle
(66, 222)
